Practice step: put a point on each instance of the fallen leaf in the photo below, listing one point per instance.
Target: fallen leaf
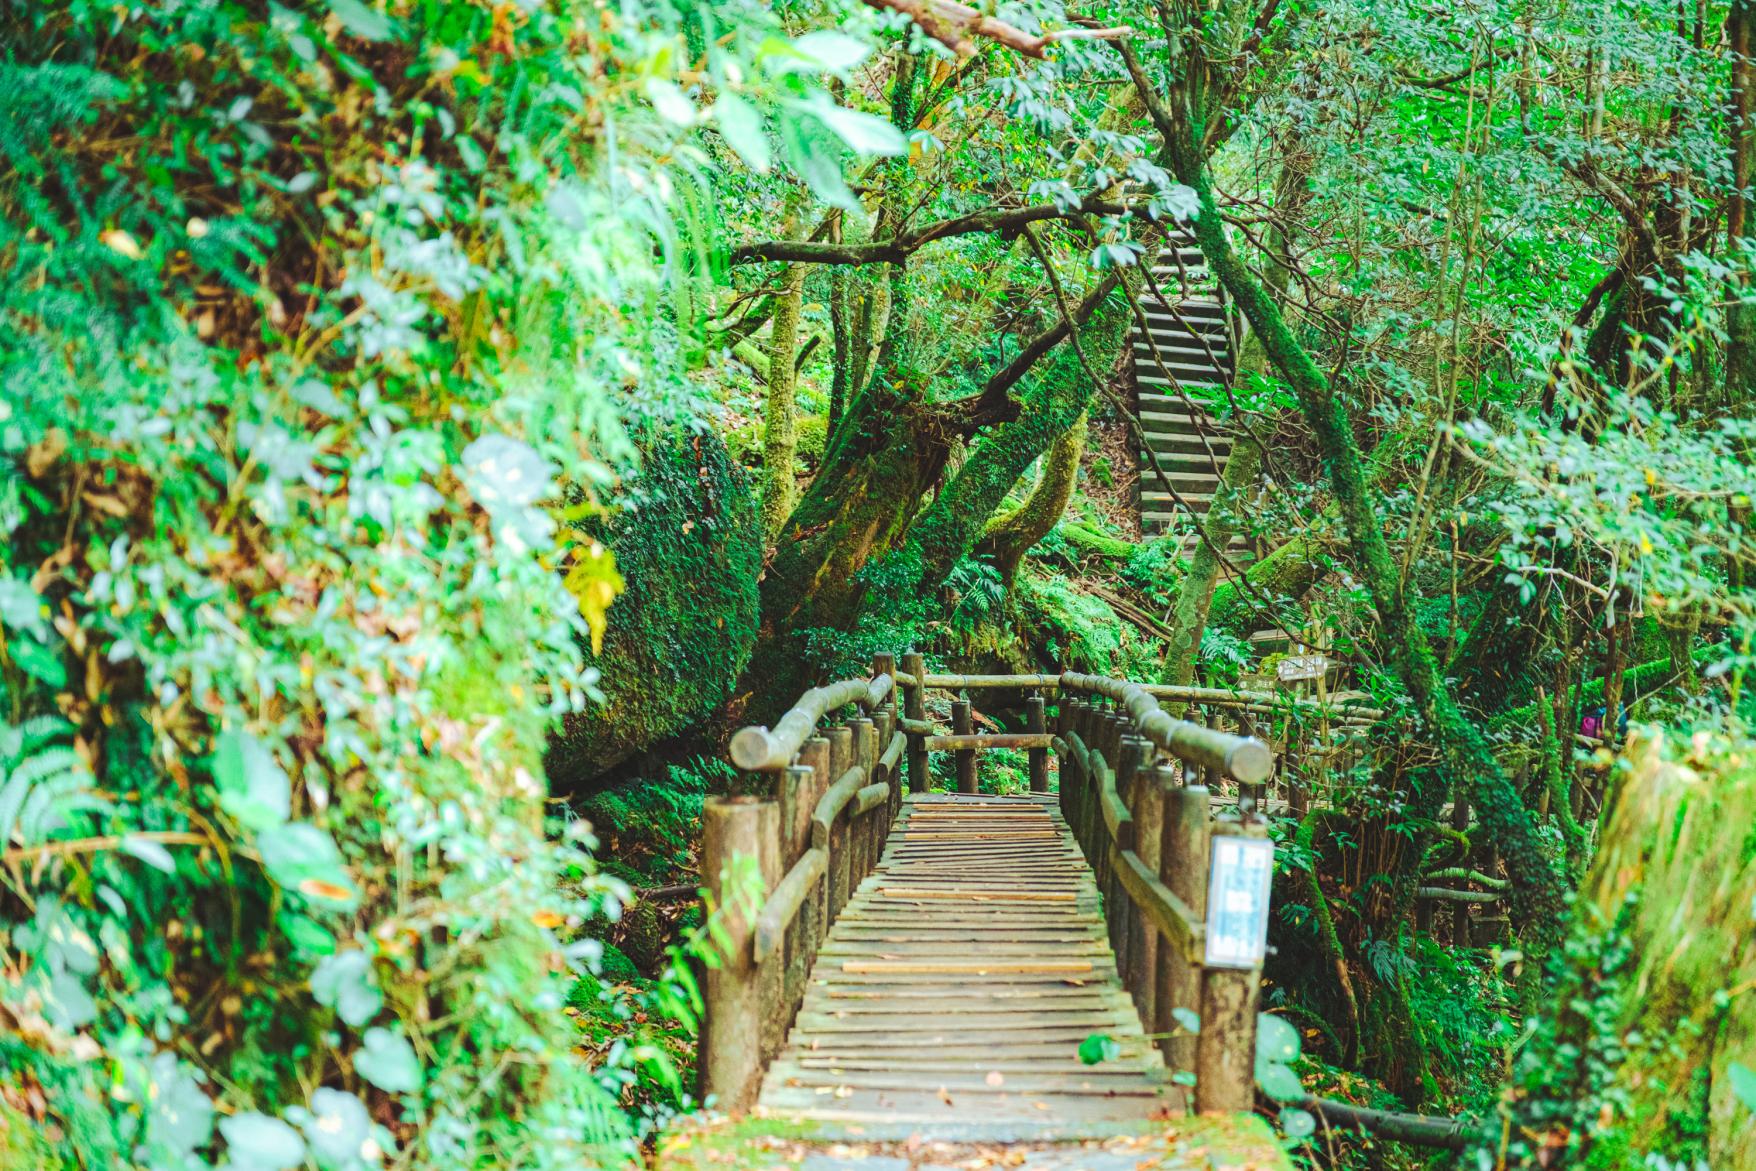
(118, 241)
(995, 1078)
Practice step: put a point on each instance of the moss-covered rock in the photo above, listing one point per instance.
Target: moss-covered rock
(687, 543)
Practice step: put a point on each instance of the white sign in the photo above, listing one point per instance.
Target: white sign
(1237, 902)
(1296, 667)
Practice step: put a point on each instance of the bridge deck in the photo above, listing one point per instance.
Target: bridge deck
(951, 996)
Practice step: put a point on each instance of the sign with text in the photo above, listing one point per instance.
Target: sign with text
(1296, 667)
(1237, 902)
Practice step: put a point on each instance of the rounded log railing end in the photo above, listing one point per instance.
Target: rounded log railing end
(1250, 762)
(751, 749)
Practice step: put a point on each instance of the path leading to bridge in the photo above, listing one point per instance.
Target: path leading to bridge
(951, 996)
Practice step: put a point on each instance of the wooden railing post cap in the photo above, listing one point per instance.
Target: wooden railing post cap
(752, 747)
(1251, 761)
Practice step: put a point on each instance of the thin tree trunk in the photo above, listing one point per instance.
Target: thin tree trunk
(780, 420)
(1465, 756)
(1195, 597)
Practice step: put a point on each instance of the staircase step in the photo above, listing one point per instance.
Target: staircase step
(1163, 403)
(1184, 346)
(1203, 372)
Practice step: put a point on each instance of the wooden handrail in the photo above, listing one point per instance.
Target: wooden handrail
(830, 805)
(782, 906)
(759, 749)
(1265, 701)
(1243, 758)
(1170, 915)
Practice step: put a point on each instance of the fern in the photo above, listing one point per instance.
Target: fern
(43, 783)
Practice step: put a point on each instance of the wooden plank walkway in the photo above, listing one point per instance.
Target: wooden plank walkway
(950, 998)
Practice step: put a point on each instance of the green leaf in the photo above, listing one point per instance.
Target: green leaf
(1188, 1018)
(310, 939)
(150, 852)
(834, 51)
(866, 134)
(1279, 1081)
(670, 101)
(303, 858)
(388, 1061)
(366, 23)
(1275, 1039)
(345, 982)
(253, 786)
(256, 1142)
(336, 1127)
(1743, 1084)
(39, 662)
(21, 607)
(741, 126)
(1099, 1047)
(1296, 1123)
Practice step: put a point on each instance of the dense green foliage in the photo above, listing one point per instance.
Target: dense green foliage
(312, 310)
(686, 541)
(412, 402)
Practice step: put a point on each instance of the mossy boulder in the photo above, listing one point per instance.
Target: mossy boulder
(687, 543)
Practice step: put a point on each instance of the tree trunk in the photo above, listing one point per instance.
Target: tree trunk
(1465, 756)
(1010, 536)
(780, 420)
(1195, 597)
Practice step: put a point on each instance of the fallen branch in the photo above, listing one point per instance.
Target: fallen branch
(1422, 1130)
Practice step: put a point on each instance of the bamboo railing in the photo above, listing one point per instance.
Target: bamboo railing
(1146, 825)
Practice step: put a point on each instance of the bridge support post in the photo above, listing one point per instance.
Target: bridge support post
(841, 758)
(1225, 1052)
(1039, 757)
(1147, 803)
(962, 725)
(740, 854)
(1183, 867)
(914, 707)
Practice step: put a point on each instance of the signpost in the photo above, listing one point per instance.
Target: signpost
(1237, 902)
(1293, 668)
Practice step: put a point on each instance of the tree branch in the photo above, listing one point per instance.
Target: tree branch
(1005, 221)
(953, 25)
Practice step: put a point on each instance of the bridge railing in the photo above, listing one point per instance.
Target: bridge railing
(1148, 826)
(780, 867)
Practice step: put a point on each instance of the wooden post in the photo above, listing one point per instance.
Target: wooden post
(884, 719)
(962, 725)
(860, 825)
(1183, 868)
(1143, 941)
(841, 758)
(733, 834)
(794, 790)
(1225, 1052)
(1037, 721)
(1071, 719)
(1119, 908)
(815, 753)
(914, 706)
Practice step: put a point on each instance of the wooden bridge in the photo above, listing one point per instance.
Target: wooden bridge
(902, 964)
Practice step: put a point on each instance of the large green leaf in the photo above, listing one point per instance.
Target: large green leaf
(388, 1061)
(252, 785)
(345, 982)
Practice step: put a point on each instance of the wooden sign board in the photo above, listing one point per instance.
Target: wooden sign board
(1296, 667)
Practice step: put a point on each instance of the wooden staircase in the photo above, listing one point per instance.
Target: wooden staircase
(1185, 354)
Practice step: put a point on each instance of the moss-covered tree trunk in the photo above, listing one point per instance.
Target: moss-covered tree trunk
(1010, 535)
(1465, 758)
(780, 417)
(1195, 596)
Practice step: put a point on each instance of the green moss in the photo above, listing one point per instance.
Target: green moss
(686, 540)
(617, 967)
